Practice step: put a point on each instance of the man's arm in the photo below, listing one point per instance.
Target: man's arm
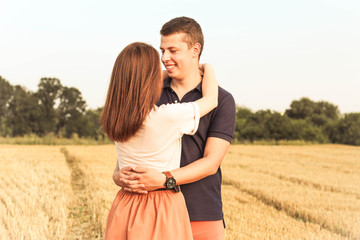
(214, 153)
(142, 179)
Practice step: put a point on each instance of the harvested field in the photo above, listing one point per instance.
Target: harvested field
(269, 192)
(315, 187)
(35, 192)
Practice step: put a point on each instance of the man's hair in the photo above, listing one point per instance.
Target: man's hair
(134, 89)
(185, 25)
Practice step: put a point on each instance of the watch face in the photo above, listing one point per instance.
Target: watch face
(170, 184)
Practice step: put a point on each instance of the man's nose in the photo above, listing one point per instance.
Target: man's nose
(165, 56)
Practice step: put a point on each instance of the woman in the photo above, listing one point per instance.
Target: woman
(149, 136)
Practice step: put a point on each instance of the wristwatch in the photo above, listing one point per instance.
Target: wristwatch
(170, 182)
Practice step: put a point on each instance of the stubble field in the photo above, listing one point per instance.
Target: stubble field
(269, 192)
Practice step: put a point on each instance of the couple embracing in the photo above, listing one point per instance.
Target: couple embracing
(171, 130)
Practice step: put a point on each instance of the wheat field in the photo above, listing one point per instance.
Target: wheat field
(35, 192)
(269, 192)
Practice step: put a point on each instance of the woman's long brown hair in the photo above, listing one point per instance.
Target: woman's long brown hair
(134, 89)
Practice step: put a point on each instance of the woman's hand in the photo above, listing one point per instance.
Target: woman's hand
(201, 68)
(209, 100)
(140, 179)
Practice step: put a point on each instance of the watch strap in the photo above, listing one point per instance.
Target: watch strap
(168, 174)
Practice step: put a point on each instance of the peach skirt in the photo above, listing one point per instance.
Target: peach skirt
(156, 215)
(208, 230)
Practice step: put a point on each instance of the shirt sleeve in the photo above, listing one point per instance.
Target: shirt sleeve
(224, 118)
(185, 116)
(191, 118)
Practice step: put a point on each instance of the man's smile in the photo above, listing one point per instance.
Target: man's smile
(170, 67)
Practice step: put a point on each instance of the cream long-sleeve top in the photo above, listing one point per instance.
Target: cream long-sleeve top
(157, 144)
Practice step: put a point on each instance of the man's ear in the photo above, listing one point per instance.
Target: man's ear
(196, 50)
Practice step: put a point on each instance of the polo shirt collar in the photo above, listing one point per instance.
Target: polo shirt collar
(168, 80)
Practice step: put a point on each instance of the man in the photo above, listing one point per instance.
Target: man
(182, 42)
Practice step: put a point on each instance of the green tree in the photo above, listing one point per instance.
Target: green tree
(263, 124)
(319, 113)
(301, 109)
(329, 110)
(304, 129)
(251, 126)
(71, 112)
(324, 112)
(23, 112)
(93, 127)
(242, 115)
(6, 92)
(47, 93)
(278, 126)
(347, 131)
(318, 116)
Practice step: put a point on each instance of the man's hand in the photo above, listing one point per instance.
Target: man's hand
(139, 179)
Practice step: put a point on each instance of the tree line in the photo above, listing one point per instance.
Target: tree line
(305, 120)
(53, 108)
(61, 110)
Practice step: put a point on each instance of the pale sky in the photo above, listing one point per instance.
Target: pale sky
(266, 53)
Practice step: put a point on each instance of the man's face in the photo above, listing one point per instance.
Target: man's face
(176, 55)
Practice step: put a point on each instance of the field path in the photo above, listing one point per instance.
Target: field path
(81, 224)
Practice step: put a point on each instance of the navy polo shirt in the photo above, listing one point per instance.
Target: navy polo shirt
(203, 198)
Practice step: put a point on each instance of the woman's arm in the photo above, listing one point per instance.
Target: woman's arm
(209, 101)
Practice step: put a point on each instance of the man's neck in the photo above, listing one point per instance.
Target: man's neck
(186, 84)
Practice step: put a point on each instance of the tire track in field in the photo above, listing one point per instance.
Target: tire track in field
(5, 210)
(14, 199)
(81, 224)
(304, 182)
(4, 227)
(7, 202)
(317, 186)
(4, 231)
(287, 208)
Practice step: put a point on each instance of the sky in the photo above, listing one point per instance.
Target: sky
(265, 53)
